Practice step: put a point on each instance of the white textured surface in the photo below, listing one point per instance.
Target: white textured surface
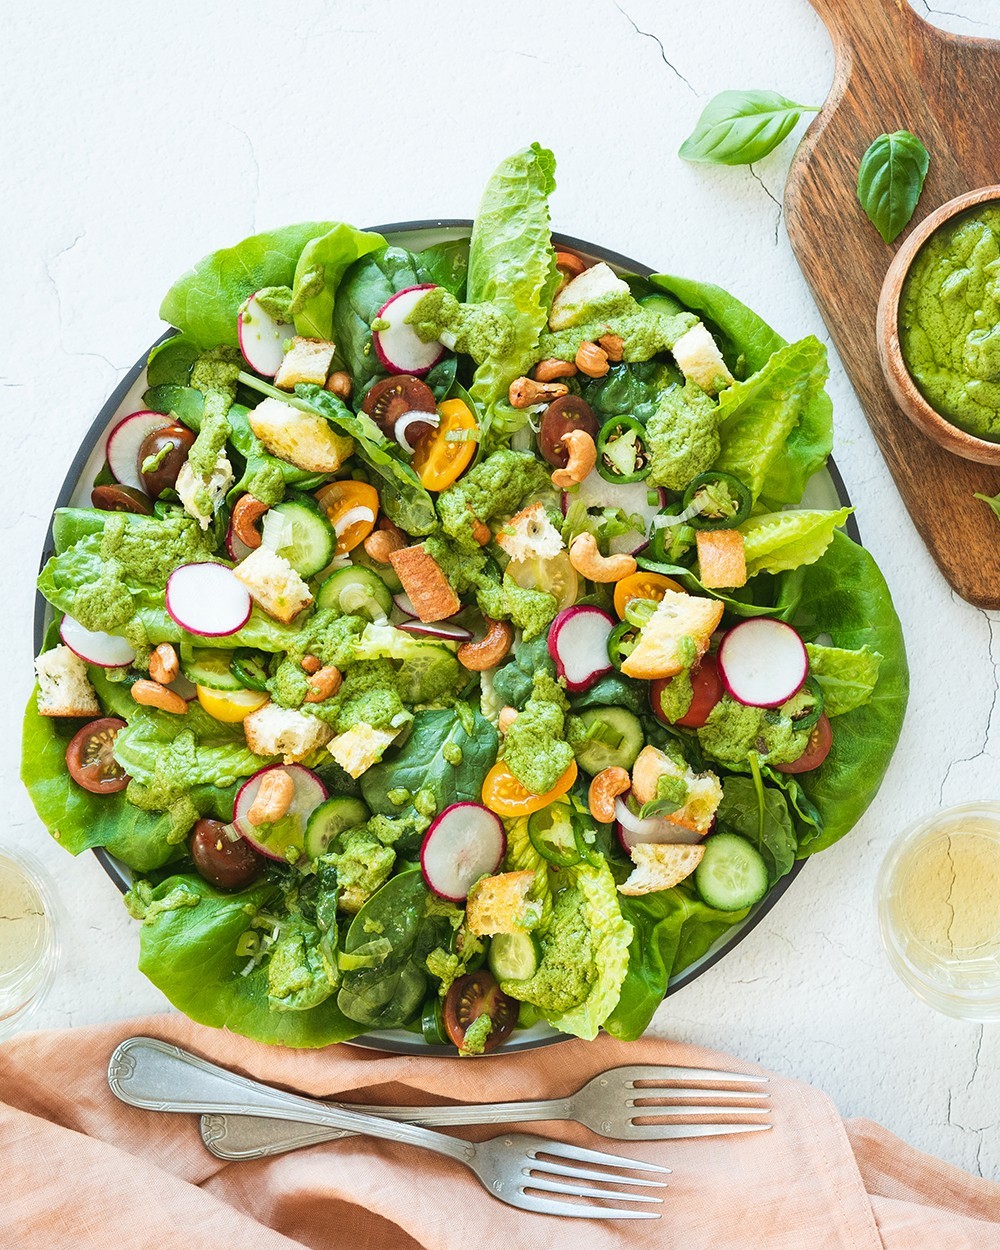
(138, 137)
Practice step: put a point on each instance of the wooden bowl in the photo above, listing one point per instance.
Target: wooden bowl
(897, 375)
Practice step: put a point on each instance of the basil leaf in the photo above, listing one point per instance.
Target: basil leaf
(890, 178)
(739, 127)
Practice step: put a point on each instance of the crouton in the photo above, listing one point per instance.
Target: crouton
(574, 304)
(307, 360)
(659, 653)
(660, 866)
(360, 747)
(64, 688)
(699, 359)
(274, 584)
(529, 535)
(424, 581)
(309, 442)
(285, 731)
(722, 558)
(195, 491)
(500, 904)
(704, 791)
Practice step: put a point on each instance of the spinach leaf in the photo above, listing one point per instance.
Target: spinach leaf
(762, 817)
(321, 265)
(740, 127)
(205, 301)
(890, 178)
(447, 265)
(170, 362)
(747, 344)
(183, 403)
(364, 289)
(420, 763)
(614, 690)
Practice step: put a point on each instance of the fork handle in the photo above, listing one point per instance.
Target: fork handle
(155, 1076)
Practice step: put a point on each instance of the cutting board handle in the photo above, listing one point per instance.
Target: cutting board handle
(866, 22)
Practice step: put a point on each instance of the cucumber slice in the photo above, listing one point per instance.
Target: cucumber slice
(207, 666)
(732, 874)
(616, 742)
(385, 572)
(514, 956)
(304, 536)
(355, 591)
(330, 819)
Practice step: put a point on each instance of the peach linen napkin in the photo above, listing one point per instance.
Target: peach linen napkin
(81, 1170)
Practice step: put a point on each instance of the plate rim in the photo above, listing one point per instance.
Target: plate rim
(394, 1045)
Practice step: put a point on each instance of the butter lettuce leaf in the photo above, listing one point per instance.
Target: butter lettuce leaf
(777, 541)
(321, 265)
(847, 678)
(157, 749)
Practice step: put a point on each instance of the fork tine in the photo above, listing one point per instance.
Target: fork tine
(548, 1206)
(585, 1191)
(683, 1091)
(564, 1150)
(558, 1169)
(659, 1110)
(656, 1072)
(677, 1132)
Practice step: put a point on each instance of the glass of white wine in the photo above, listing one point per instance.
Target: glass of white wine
(938, 901)
(28, 937)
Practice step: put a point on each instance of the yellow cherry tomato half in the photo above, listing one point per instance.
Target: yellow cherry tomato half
(642, 586)
(556, 575)
(439, 460)
(351, 508)
(231, 706)
(504, 794)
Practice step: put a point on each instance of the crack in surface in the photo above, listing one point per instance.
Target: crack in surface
(971, 759)
(962, 17)
(776, 202)
(256, 174)
(648, 34)
(49, 264)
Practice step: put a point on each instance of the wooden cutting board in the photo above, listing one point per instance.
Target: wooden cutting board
(894, 71)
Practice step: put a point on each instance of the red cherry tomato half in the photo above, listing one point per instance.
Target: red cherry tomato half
(707, 685)
(817, 749)
(90, 758)
(473, 995)
(223, 863)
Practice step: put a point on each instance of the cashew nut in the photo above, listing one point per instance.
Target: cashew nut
(613, 345)
(488, 651)
(553, 368)
(524, 392)
(381, 543)
(569, 265)
(273, 798)
(604, 789)
(246, 514)
(582, 459)
(508, 715)
(152, 694)
(323, 684)
(340, 384)
(481, 532)
(310, 664)
(163, 664)
(585, 556)
(592, 360)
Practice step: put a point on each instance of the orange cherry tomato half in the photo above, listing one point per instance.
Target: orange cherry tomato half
(504, 794)
(642, 585)
(339, 501)
(707, 685)
(817, 749)
(439, 460)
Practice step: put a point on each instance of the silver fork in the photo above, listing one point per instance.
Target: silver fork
(518, 1168)
(610, 1104)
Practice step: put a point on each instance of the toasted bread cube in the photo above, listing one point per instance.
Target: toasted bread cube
(500, 904)
(190, 485)
(309, 442)
(64, 688)
(360, 747)
(660, 866)
(274, 584)
(424, 581)
(722, 559)
(285, 731)
(307, 360)
(574, 303)
(704, 789)
(658, 652)
(699, 359)
(529, 534)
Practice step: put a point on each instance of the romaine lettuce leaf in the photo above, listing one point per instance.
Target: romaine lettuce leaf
(847, 678)
(156, 748)
(776, 541)
(322, 263)
(522, 857)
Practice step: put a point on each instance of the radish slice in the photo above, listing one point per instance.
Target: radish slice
(207, 599)
(235, 545)
(262, 339)
(405, 604)
(404, 422)
(632, 497)
(464, 842)
(632, 829)
(184, 687)
(95, 646)
(399, 347)
(436, 629)
(578, 643)
(276, 840)
(762, 662)
(124, 441)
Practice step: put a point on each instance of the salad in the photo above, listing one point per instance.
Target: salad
(447, 646)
